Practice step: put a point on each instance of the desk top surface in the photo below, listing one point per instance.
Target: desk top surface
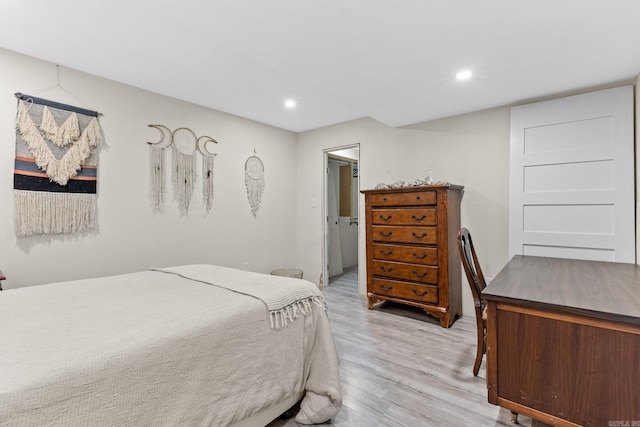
(606, 290)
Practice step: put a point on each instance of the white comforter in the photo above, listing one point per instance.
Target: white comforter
(155, 349)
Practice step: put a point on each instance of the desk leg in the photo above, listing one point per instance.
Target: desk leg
(492, 360)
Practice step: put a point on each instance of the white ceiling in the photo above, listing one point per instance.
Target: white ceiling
(392, 60)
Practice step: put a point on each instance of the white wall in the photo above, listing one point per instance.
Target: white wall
(470, 150)
(130, 238)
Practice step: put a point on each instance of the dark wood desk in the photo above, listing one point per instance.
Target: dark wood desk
(563, 341)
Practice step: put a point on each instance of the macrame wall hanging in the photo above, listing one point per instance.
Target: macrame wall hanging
(55, 173)
(254, 181)
(184, 145)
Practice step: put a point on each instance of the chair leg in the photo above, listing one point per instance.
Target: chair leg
(514, 417)
(479, 353)
(476, 365)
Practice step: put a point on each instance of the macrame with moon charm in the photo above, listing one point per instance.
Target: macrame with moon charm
(184, 145)
(254, 181)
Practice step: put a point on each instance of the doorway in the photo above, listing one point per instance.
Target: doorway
(341, 211)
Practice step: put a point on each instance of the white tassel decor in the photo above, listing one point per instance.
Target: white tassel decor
(207, 181)
(184, 178)
(41, 212)
(157, 178)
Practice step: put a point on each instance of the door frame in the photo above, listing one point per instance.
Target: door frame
(325, 200)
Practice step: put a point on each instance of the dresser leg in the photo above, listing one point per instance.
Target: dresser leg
(444, 318)
(514, 417)
(444, 321)
(373, 300)
(370, 302)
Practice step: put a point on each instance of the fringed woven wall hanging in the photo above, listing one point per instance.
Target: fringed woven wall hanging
(184, 146)
(55, 174)
(254, 181)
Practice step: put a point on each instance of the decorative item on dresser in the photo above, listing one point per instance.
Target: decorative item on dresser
(2, 277)
(412, 257)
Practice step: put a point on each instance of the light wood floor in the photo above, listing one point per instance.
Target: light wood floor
(399, 368)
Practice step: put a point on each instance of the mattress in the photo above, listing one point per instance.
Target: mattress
(161, 349)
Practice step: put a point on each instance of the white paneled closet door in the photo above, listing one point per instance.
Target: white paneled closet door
(572, 177)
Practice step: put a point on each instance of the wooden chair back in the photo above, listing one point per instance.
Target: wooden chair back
(477, 283)
(471, 266)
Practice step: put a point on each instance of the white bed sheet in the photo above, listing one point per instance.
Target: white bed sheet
(152, 348)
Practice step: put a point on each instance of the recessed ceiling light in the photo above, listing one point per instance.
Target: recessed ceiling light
(290, 104)
(464, 75)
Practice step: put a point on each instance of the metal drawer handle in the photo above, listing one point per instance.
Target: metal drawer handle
(386, 288)
(387, 218)
(386, 234)
(415, 218)
(419, 294)
(417, 197)
(386, 269)
(383, 253)
(419, 237)
(423, 256)
(384, 199)
(420, 275)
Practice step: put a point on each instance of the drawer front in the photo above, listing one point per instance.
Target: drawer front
(399, 234)
(413, 254)
(407, 216)
(404, 199)
(398, 270)
(410, 291)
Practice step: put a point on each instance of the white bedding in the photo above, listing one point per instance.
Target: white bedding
(284, 299)
(156, 349)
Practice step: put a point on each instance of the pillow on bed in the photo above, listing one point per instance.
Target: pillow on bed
(316, 409)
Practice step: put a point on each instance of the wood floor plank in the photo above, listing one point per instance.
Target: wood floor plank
(399, 368)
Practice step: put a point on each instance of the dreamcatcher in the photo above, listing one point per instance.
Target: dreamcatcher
(184, 147)
(254, 181)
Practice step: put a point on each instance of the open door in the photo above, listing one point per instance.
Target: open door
(340, 206)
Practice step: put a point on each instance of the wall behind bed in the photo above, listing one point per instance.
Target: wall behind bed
(130, 238)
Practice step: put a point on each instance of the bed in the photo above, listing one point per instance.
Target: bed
(196, 345)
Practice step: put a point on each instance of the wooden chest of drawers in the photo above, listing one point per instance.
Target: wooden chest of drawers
(412, 256)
